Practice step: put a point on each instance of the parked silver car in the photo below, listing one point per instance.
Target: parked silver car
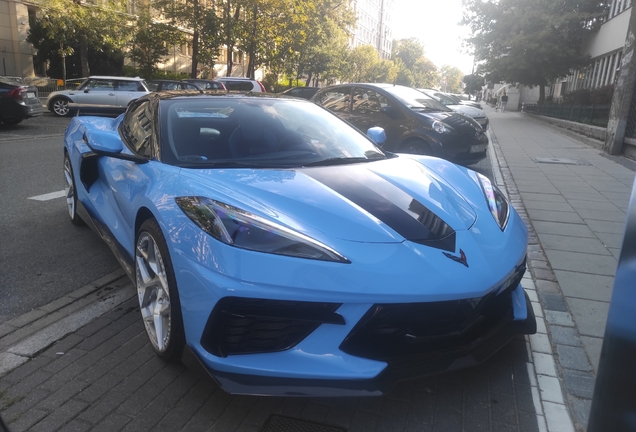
(98, 91)
(477, 114)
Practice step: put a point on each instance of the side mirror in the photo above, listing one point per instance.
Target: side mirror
(85, 90)
(107, 143)
(377, 135)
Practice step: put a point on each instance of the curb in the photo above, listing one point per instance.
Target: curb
(24, 337)
(564, 375)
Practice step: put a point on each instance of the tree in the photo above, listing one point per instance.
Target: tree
(150, 42)
(530, 42)
(451, 79)
(82, 26)
(473, 83)
(361, 62)
(200, 18)
(413, 68)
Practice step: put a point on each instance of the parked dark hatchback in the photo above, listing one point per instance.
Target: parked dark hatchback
(18, 101)
(413, 122)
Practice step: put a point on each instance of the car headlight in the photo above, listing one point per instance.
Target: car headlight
(497, 202)
(442, 128)
(245, 230)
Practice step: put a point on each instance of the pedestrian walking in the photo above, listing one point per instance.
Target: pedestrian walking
(504, 101)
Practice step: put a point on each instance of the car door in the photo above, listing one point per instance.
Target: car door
(128, 91)
(122, 181)
(97, 92)
(371, 108)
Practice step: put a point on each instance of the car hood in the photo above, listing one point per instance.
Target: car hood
(376, 202)
(468, 110)
(462, 123)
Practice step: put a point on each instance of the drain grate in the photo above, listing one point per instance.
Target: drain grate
(277, 423)
(561, 161)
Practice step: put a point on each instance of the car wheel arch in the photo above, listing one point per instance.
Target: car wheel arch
(417, 141)
(143, 214)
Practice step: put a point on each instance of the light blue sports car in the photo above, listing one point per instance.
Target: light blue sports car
(286, 253)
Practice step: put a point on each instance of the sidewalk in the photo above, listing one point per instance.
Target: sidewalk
(60, 370)
(576, 199)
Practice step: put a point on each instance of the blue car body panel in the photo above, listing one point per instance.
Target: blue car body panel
(384, 268)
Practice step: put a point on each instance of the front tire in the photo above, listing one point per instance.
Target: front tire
(157, 292)
(71, 192)
(59, 107)
(418, 147)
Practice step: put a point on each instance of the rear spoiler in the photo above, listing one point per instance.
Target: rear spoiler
(95, 110)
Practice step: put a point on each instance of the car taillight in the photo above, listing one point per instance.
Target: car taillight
(17, 93)
(262, 87)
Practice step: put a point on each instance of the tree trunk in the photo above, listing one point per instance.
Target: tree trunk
(86, 72)
(195, 54)
(308, 82)
(251, 66)
(195, 41)
(541, 94)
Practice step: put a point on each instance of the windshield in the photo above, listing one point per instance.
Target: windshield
(203, 132)
(415, 100)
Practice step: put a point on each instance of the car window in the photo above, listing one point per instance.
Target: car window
(367, 101)
(336, 100)
(152, 86)
(136, 128)
(238, 85)
(133, 86)
(415, 99)
(171, 86)
(100, 85)
(187, 86)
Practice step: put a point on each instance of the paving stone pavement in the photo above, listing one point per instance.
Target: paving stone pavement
(576, 199)
(105, 376)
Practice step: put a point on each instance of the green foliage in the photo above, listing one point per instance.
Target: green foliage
(473, 83)
(130, 71)
(72, 26)
(530, 42)
(413, 69)
(599, 96)
(150, 42)
(451, 79)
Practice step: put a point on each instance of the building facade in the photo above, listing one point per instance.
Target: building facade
(373, 25)
(16, 53)
(605, 49)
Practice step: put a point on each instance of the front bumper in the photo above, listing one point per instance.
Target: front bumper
(444, 358)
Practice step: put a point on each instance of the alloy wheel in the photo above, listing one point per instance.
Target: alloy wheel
(60, 107)
(153, 291)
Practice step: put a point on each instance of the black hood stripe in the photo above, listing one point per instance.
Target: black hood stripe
(388, 203)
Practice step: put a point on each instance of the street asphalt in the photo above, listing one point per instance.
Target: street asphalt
(82, 362)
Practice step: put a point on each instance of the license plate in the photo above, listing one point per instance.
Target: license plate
(478, 148)
(31, 95)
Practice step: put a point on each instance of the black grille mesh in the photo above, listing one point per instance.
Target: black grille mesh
(246, 325)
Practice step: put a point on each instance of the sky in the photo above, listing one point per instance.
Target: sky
(436, 24)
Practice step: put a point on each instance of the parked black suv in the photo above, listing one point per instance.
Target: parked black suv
(18, 101)
(413, 122)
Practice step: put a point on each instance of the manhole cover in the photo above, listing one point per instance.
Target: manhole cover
(562, 161)
(278, 423)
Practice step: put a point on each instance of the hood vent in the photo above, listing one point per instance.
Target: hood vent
(388, 203)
